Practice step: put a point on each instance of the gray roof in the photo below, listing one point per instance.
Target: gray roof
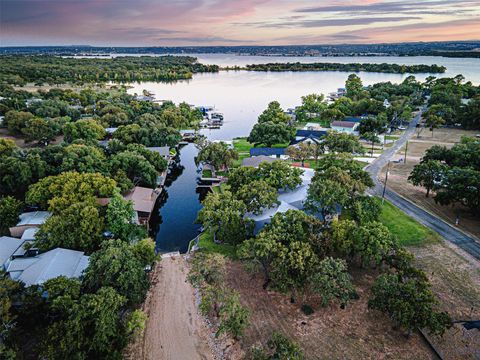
(256, 160)
(29, 234)
(49, 265)
(33, 218)
(8, 246)
(162, 150)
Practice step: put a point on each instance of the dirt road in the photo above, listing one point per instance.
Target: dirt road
(174, 330)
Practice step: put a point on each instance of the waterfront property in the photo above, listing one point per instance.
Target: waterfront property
(144, 200)
(308, 136)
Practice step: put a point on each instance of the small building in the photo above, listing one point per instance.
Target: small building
(257, 160)
(35, 270)
(144, 200)
(346, 127)
(110, 130)
(312, 126)
(386, 103)
(29, 220)
(278, 153)
(188, 134)
(148, 98)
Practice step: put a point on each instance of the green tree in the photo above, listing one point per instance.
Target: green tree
(312, 107)
(233, 316)
(365, 209)
(242, 176)
(428, 174)
(217, 154)
(434, 121)
(354, 87)
(10, 293)
(257, 196)
(207, 268)
(223, 216)
(91, 328)
(270, 133)
(280, 175)
(372, 242)
(302, 151)
(279, 347)
(117, 266)
(88, 130)
(83, 158)
(7, 147)
(58, 192)
(78, 227)
(331, 280)
(144, 250)
(337, 142)
(324, 196)
(16, 121)
(120, 218)
(10, 209)
(409, 302)
(136, 167)
(18, 172)
(274, 114)
(41, 130)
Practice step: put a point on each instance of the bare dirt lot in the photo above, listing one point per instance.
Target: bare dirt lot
(455, 278)
(174, 329)
(330, 333)
(398, 174)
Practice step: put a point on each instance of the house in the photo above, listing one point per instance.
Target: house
(29, 220)
(272, 152)
(347, 127)
(308, 136)
(110, 130)
(36, 269)
(144, 200)
(386, 103)
(354, 119)
(31, 101)
(257, 160)
(148, 98)
(289, 200)
(312, 126)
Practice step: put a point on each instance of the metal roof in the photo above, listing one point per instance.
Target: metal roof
(257, 160)
(343, 124)
(33, 218)
(53, 263)
(162, 150)
(8, 246)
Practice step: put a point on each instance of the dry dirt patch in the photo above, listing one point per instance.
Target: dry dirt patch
(330, 333)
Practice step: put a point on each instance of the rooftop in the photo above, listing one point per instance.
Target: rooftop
(162, 150)
(53, 263)
(352, 119)
(33, 218)
(267, 151)
(310, 133)
(257, 160)
(8, 246)
(144, 199)
(343, 124)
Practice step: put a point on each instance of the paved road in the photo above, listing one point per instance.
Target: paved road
(450, 233)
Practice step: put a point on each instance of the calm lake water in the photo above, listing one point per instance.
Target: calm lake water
(242, 96)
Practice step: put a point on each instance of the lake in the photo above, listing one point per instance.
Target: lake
(242, 96)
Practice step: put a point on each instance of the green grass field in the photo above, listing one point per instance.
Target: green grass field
(207, 245)
(207, 173)
(407, 230)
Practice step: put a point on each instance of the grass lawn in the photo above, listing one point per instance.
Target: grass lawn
(407, 230)
(207, 245)
(207, 173)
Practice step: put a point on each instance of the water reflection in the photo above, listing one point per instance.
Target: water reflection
(177, 208)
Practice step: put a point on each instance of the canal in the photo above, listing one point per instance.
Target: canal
(173, 222)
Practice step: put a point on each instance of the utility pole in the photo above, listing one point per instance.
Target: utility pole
(405, 158)
(386, 179)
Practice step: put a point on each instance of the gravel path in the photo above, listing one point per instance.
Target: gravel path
(447, 231)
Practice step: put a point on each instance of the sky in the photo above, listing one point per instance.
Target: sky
(235, 22)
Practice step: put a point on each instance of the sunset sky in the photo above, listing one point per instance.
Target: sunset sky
(234, 22)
